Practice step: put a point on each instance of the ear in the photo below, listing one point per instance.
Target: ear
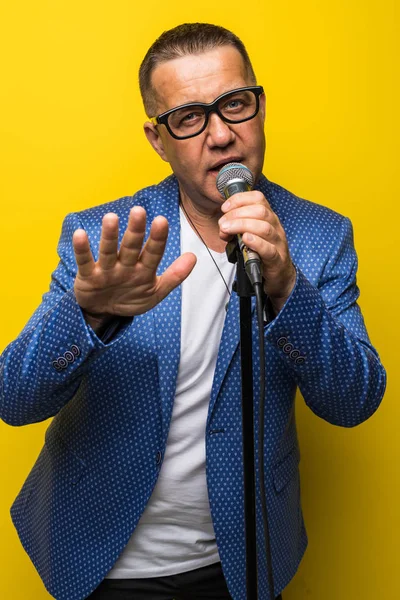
(263, 107)
(155, 140)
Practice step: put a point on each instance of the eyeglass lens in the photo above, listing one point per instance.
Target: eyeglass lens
(234, 107)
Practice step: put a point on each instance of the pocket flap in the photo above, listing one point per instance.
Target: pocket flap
(286, 469)
(66, 463)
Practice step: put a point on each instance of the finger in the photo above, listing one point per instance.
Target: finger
(175, 274)
(154, 247)
(83, 255)
(243, 199)
(278, 269)
(251, 211)
(108, 247)
(132, 241)
(226, 237)
(262, 229)
(267, 251)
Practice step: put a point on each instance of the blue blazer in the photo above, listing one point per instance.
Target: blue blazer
(112, 402)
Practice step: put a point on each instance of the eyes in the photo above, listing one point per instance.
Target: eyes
(191, 117)
(234, 105)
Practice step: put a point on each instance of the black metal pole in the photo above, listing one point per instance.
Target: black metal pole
(248, 447)
(244, 290)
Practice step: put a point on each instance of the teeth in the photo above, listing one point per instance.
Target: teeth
(228, 162)
(219, 167)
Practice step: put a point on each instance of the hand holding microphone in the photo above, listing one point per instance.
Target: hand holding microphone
(248, 214)
(233, 179)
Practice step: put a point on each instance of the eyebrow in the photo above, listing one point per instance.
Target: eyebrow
(188, 103)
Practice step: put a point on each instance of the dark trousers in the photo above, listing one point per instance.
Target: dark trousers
(207, 583)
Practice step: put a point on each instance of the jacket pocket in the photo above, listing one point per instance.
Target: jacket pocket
(286, 469)
(62, 460)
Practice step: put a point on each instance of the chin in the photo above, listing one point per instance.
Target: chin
(212, 193)
(211, 198)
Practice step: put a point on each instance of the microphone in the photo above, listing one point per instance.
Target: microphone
(232, 179)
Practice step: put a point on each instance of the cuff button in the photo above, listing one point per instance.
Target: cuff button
(287, 348)
(281, 342)
(62, 362)
(75, 350)
(69, 357)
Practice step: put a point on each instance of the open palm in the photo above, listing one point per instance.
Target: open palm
(124, 281)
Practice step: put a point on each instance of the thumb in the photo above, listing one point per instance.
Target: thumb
(175, 274)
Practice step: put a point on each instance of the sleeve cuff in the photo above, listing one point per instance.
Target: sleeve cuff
(300, 313)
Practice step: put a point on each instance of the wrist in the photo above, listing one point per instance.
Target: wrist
(97, 321)
(280, 300)
(277, 304)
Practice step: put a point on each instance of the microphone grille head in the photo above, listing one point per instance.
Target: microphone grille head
(233, 171)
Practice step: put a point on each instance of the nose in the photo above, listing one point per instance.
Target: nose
(219, 133)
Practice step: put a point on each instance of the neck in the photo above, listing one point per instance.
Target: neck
(202, 214)
(204, 223)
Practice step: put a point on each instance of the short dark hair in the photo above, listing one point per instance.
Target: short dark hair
(188, 38)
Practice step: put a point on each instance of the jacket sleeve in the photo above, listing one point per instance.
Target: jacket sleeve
(321, 336)
(41, 370)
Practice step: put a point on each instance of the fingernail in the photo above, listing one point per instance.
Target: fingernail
(226, 226)
(226, 205)
(249, 237)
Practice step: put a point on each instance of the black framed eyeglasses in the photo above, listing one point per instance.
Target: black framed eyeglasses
(191, 119)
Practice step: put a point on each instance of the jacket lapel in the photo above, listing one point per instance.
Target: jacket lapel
(167, 314)
(230, 341)
(230, 338)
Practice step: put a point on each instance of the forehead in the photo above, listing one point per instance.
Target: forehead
(198, 77)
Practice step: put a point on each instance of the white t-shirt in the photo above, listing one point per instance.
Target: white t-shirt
(175, 533)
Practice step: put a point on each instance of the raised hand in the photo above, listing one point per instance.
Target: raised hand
(123, 281)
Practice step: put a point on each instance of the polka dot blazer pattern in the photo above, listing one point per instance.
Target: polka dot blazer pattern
(112, 402)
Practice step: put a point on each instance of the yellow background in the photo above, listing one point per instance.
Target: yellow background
(71, 137)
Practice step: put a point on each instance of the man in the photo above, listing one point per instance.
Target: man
(137, 492)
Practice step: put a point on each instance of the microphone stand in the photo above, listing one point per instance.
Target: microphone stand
(244, 290)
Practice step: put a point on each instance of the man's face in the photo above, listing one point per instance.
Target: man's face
(196, 161)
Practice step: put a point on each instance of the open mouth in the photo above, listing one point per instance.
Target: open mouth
(215, 170)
